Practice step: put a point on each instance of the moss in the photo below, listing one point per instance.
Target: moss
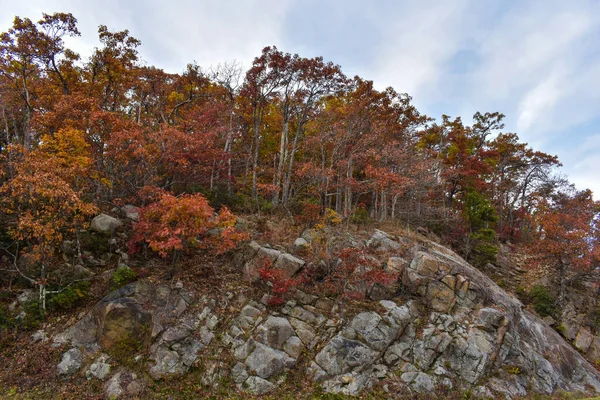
(125, 350)
(561, 329)
(542, 300)
(122, 276)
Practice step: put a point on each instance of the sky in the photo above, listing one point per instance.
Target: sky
(536, 61)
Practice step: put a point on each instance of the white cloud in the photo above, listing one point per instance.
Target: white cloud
(536, 103)
(417, 43)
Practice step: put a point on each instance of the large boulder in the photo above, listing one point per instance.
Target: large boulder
(128, 317)
(105, 224)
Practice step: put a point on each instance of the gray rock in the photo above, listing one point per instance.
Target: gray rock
(258, 386)
(105, 223)
(419, 381)
(243, 351)
(584, 339)
(274, 332)
(206, 336)
(304, 331)
(491, 319)
(341, 355)
(123, 384)
(401, 351)
(383, 241)
(39, 336)
(171, 359)
(100, 368)
(300, 245)
(239, 373)
(267, 362)
(396, 265)
(371, 328)
(350, 384)
(288, 264)
(293, 347)
(70, 362)
(132, 212)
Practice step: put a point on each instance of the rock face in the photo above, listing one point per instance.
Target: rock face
(128, 318)
(458, 329)
(105, 223)
(255, 256)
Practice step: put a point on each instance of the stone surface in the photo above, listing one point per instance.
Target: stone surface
(267, 362)
(382, 241)
(131, 212)
(289, 264)
(584, 339)
(70, 362)
(342, 355)
(300, 245)
(123, 384)
(99, 369)
(452, 327)
(258, 386)
(274, 332)
(105, 223)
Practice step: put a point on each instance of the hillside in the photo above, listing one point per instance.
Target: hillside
(280, 230)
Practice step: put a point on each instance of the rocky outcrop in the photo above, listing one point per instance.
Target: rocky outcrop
(254, 256)
(454, 328)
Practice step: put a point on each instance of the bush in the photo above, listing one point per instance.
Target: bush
(542, 300)
(6, 321)
(34, 315)
(122, 276)
(360, 216)
(69, 297)
(484, 248)
(595, 319)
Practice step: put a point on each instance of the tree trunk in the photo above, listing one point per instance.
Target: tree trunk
(257, 122)
(283, 143)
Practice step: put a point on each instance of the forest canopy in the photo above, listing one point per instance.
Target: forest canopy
(290, 133)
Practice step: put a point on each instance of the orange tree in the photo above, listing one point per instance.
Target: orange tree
(42, 205)
(173, 224)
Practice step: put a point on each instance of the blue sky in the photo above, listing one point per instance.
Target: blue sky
(536, 61)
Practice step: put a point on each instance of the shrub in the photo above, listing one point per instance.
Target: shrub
(542, 300)
(484, 250)
(595, 319)
(172, 224)
(69, 297)
(280, 285)
(34, 315)
(309, 214)
(6, 321)
(360, 216)
(122, 276)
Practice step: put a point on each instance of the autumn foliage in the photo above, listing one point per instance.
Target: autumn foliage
(290, 134)
(180, 223)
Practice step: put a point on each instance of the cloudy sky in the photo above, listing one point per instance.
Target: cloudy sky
(537, 61)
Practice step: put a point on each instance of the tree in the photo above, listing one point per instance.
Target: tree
(173, 224)
(43, 208)
(568, 237)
